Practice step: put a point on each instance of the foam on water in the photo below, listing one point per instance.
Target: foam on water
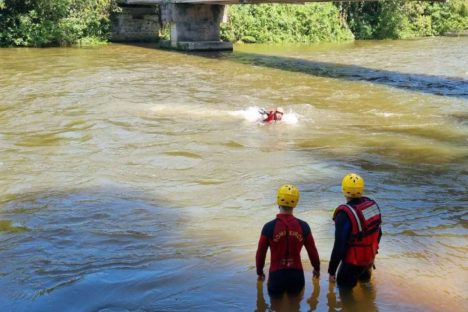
(251, 114)
(179, 110)
(290, 118)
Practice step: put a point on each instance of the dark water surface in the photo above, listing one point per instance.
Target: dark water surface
(131, 178)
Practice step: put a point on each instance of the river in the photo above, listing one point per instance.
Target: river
(135, 179)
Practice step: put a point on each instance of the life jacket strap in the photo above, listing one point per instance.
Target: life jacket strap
(358, 221)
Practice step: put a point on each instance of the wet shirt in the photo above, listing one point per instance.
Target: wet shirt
(285, 236)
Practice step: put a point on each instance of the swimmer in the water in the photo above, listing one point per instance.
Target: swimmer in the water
(272, 115)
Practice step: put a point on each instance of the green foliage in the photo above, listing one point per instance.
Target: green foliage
(399, 19)
(90, 42)
(248, 39)
(285, 23)
(391, 19)
(41, 23)
(165, 32)
(451, 17)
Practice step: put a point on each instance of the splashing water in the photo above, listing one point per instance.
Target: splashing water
(290, 118)
(252, 114)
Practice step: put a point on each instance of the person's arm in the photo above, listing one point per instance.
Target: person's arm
(342, 232)
(378, 240)
(309, 244)
(263, 114)
(260, 256)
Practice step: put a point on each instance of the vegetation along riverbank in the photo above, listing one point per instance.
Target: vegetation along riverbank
(86, 22)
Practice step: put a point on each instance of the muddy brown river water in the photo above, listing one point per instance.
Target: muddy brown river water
(134, 179)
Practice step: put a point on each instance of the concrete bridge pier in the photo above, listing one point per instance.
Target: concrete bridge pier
(136, 24)
(194, 27)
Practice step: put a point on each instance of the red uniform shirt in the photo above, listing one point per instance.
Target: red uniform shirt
(285, 236)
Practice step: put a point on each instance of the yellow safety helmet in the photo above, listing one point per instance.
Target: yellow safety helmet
(352, 185)
(288, 196)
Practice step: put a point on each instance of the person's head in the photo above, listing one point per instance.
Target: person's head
(279, 113)
(352, 186)
(288, 197)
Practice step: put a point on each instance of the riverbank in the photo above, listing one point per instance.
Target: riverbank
(463, 33)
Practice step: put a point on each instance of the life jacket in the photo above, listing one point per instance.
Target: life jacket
(365, 220)
(271, 116)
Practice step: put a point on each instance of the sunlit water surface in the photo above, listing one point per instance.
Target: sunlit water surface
(136, 179)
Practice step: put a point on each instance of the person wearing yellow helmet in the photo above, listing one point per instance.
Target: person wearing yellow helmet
(357, 234)
(285, 236)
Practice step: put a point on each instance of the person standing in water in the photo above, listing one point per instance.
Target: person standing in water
(285, 236)
(357, 235)
(272, 115)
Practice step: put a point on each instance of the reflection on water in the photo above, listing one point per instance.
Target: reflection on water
(284, 303)
(361, 298)
(130, 176)
(261, 303)
(314, 297)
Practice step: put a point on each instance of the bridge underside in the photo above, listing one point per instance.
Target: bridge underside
(151, 2)
(193, 27)
(195, 24)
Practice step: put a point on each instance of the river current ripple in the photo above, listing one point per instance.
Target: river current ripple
(131, 178)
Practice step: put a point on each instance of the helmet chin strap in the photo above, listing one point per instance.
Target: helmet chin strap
(286, 210)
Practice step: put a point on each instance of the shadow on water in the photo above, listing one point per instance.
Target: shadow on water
(108, 249)
(436, 85)
(431, 84)
(282, 304)
(57, 246)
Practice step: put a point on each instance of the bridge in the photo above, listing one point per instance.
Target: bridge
(194, 24)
